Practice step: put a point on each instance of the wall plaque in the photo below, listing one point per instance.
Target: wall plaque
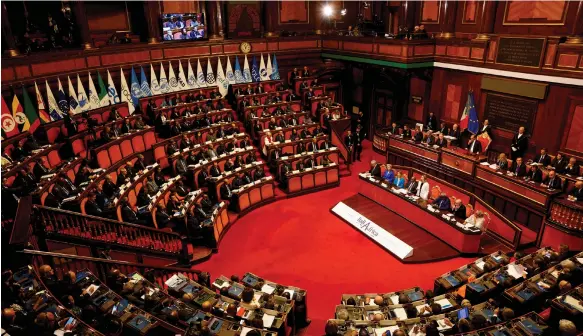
(416, 99)
(509, 113)
(520, 51)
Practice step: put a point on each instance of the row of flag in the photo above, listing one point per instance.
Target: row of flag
(18, 118)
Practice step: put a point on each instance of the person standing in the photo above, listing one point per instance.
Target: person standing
(519, 144)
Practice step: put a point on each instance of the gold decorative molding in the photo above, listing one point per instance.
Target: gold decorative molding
(12, 52)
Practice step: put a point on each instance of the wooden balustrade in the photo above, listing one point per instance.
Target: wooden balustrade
(566, 213)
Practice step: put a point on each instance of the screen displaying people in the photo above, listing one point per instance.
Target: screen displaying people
(188, 26)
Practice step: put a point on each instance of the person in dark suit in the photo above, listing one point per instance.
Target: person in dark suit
(310, 162)
(109, 188)
(441, 142)
(394, 129)
(171, 148)
(70, 124)
(502, 162)
(279, 137)
(140, 163)
(40, 169)
(18, 153)
(406, 132)
(534, 174)
(258, 174)
(543, 158)
(229, 165)
(430, 139)
(518, 167)
(91, 206)
(201, 180)
(552, 181)
(443, 129)
(474, 146)
(572, 168)
(181, 167)
(285, 169)
(225, 191)
(418, 134)
(442, 202)
(128, 214)
(82, 176)
(577, 192)
(215, 171)
(275, 155)
(301, 148)
(313, 146)
(459, 209)
(349, 141)
(306, 72)
(431, 123)
(559, 163)
(300, 165)
(291, 97)
(411, 186)
(295, 73)
(304, 134)
(455, 132)
(245, 142)
(163, 218)
(519, 144)
(486, 128)
(375, 169)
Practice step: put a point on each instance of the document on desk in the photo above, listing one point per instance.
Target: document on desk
(444, 303)
(400, 313)
(267, 288)
(516, 271)
(245, 330)
(571, 301)
(268, 320)
(382, 331)
(291, 292)
(480, 264)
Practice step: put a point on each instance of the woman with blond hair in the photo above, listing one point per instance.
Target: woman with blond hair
(502, 162)
(477, 220)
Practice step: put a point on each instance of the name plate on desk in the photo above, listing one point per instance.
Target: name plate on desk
(373, 231)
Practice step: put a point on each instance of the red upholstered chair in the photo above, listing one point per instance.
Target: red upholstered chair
(115, 153)
(307, 181)
(132, 199)
(332, 175)
(53, 158)
(255, 196)
(267, 191)
(294, 184)
(79, 147)
(320, 179)
(154, 209)
(126, 147)
(224, 217)
(149, 139)
(138, 144)
(244, 201)
(82, 205)
(53, 133)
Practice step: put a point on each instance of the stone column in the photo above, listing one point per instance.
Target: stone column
(448, 13)
(7, 33)
(152, 15)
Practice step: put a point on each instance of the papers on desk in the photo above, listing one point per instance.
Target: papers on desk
(484, 163)
(400, 313)
(394, 299)
(480, 264)
(267, 288)
(571, 301)
(382, 331)
(580, 260)
(420, 307)
(245, 330)
(223, 285)
(444, 303)
(268, 320)
(516, 271)
(291, 293)
(441, 325)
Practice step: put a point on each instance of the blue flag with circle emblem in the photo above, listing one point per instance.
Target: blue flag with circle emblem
(136, 90)
(275, 70)
(62, 100)
(255, 70)
(238, 72)
(145, 86)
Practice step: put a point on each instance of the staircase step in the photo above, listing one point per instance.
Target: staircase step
(199, 253)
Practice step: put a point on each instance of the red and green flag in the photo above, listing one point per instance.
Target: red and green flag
(9, 127)
(42, 113)
(30, 113)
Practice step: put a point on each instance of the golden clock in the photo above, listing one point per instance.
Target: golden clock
(245, 47)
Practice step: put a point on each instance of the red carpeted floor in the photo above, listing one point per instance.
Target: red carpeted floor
(298, 242)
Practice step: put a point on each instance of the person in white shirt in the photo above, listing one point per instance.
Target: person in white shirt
(423, 188)
(266, 142)
(477, 220)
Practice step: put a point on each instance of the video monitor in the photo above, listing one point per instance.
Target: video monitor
(184, 26)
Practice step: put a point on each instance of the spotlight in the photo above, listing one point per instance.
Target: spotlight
(327, 10)
(365, 5)
(343, 12)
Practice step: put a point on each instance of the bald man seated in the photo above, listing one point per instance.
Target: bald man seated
(375, 169)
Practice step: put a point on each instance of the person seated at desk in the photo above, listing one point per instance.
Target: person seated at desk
(181, 166)
(185, 142)
(122, 177)
(441, 141)
(91, 206)
(143, 199)
(258, 174)
(216, 94)
(159, 176)
(171, 148)
(276, 154)
(201, 96)
(318, 131)
(399, 181)
(304, 85)
(128, 215)
(221, 149)
(543, 158)
(476, 219)
(459, 209)
(577, 193)
(389, 174)
(83, 176)
(221, 132)
(558, 163)
(228, 165)
(418, 134)
(456, 133)
(375, 169)
(518, 168)
(292, 121)
(272, 124)
(163, 218)
(474, 146)
(572, 168)
(225, 191)
(552, 181)
(174, 129)
(442, 202)
(109, 188)
(502, 162)
(443, 129)
(215, 170)
(279, 137)
(394, 130)
(310, 162)
(221, 106)
(534, 174)
(252, 157)
(429, 139)
(291, 97)
(312, 146)
(210, 153)
(406, 132)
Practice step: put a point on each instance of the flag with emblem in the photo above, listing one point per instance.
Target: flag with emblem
(103, 93)
(200, 78)
(62, 98)
(469, 118)
(92, 94)
(18, 115)
(246, 71)
(182, 84)
(210, 76)
(32, 120)
(82, 98)
(126, 96)
(255, 70)
(154, 84)
(275, 70)
(42, 113)
(172, 80)
(73, 103)
(164, 87)
(229, 72)
(238, 73)
(263, 70)
(191, 79)
(268, 67)
(144, 83)
(54, 109)
(136, 89)
(222, 81)
(9, 127)
(114, 97)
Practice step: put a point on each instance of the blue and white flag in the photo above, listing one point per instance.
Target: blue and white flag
(229, 72)
(136, 89)
(92, 94)
(114, 98)
(63, 102)
(191, 79)
(275, 70)
(54, 109)
(144, 83)
(238, 73)
(246, 71)
(154, 84)
(172, 81)
(82, 98)
(255, 71)
(182, 84)
(222, 81)
(269, 68)
(126, 95)
(210, 77)
(73, 103)
(164, 87)
(263, 70)
(200, 79)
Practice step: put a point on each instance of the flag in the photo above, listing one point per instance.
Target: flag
(9, 127)
(54, 109)
(172, 81)
(200, 75)
(126, 96)
(92, 94)
(32, 120)
(164, 87)
(62, 102)
(44, 116)
(182, 84)
(82, 98)
(18, 115)
(255, 70)
(136, 90)
(275, 70)
(469, 118)
(246, 71)
(144, 83)
(114, 97)
(154, 85)
(210, 76)
(269, 69)
(263, 70)
(222, 81)
(103, 93)
(191, 77)
(73, 103)
(229, 72)
(238, 73)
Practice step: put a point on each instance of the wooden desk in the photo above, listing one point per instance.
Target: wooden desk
(289, 147)
(262, 96)
(126, 145)
(332, 154)
(264, 121)
(299, 80)
(296, 106)
(411, 147)
(50, 152)
(158, 99)
(221, 159)
(464, 241)
(287, 131)
(215, 183)
(461, 159)
(313, 179)
(269, 85)
(254, 195)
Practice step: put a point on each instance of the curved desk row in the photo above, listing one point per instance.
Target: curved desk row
(289, 147)
(214, 183)
(262, 96)
(116, 150)
(264, 121)
(48, 152)
(253, 195)
(158, 99)
(132, 189)
(317, 178)
(287, 131)
(259, 110)
(269, 85)
(331, 153)
(205, 165)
